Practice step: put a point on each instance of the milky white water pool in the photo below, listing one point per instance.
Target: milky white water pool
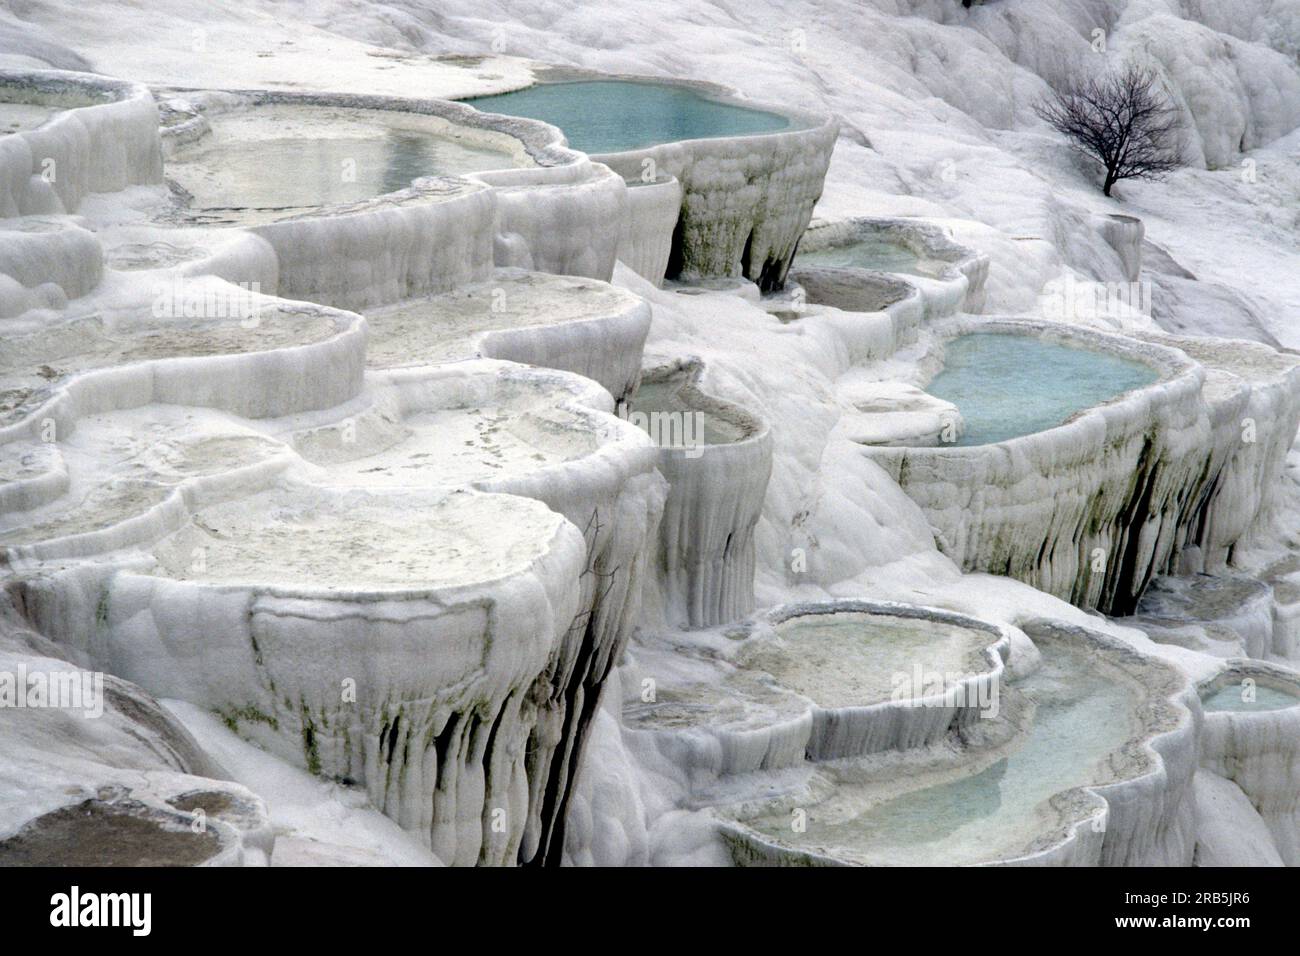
(275, 161)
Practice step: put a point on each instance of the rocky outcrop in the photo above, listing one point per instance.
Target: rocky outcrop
(97, 774)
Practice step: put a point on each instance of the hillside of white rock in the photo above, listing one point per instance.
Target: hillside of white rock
(570, 646)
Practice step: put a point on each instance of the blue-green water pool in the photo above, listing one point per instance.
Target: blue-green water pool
(1007, 385)
(610, 116)
(1081, 717)
(1233, 698)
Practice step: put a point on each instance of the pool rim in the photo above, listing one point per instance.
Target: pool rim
(539, 142)
(1169, 363)
(935, 239)
(996, 653)
(1167, 702)
(1265, 674)
(756, 428)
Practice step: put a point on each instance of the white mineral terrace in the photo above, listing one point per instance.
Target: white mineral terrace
(1017, 792)
(272, 161)
(1252, 718)
(445, 458)
(750, 172)
(816, 682)
(564, 322)
(717, 458)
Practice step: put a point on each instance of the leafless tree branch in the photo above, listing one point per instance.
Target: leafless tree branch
(1121, 120)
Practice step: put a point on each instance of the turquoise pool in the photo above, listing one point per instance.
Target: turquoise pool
(610, 116)
(1007, 385)
(1230, 698)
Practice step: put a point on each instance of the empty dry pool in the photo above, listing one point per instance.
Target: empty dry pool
(563, 322)
(457, 427)
(820, 681)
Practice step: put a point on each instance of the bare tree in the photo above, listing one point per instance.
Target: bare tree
(1122, 120)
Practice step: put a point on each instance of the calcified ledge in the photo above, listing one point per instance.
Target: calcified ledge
(715, 498)
(191, 252)
(232, 367)
(1090, 510)
(105, 140)
(44, 262)
(1223, 615)
(759, 724)
(568, 323)
(745, 199)
(1252, 395)
(922, 719)
(442, 232)
(1141, 814)
(526, 623)
(957, 286)
(646, 245)
(126, 786)
(120, 450)
(859, 291)
(1259, 750)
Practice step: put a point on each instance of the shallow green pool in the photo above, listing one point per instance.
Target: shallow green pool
(876, 253)
(610, 116)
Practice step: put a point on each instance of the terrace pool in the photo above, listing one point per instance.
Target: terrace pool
(1232, 698)
(1081, 717)
(611, 116)
(660, 407)
(875, 253)
(20, 117)
(279, 160)
(1008, 385)
(853, 659)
